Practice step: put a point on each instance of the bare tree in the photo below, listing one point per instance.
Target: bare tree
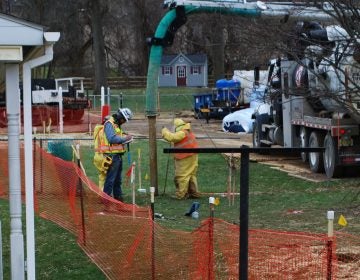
(96, 11)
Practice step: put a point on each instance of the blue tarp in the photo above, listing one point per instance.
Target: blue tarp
(223, 83)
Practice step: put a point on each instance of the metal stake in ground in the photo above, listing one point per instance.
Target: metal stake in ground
(152, 199)
(168, 160)
(211, 239)
(166, 173)
(330, 216)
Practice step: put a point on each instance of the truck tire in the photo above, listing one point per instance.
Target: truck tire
(304, 142)
(258, 134)
(331, 158)
(316, 140)
(197, 114)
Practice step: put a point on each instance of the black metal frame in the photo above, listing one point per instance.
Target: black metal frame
(244, 188)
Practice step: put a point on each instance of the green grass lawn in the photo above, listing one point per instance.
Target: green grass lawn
(277, 201)
(167, 97)
(57, 254)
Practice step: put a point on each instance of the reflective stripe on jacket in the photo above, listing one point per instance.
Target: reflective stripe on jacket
(189, 141)
(102, 144)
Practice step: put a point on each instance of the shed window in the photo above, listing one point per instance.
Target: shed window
(195, 70)
(167, 70)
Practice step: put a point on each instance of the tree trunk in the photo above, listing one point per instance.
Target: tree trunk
(217, 50)
(98, 45)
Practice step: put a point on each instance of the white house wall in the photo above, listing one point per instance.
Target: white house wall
(15, 33)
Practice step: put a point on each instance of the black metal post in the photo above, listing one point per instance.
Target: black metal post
(211, 242)
(41, 167)
(152, 193)
(244, 188)
(329, 246)
(244, 215)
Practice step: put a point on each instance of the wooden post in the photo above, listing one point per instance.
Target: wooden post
(81, 194)
(132, 181)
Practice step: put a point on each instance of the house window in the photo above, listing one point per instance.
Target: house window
(195, 70)
(181, 72)
(167, 70)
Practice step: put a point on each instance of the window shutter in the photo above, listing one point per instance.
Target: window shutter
(191, 70)
(199, 69)
(163, 69)
(171, 70)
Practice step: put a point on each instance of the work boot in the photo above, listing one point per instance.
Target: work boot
(195, 195)
(178, 197)
(120, 198)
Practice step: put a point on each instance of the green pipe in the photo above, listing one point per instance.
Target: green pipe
(246, 12)
(154, 64)
(153, 76)
(156, 51)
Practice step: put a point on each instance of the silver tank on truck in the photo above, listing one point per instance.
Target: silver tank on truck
(330, 73)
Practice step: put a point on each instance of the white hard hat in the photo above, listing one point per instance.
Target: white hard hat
(126, 113)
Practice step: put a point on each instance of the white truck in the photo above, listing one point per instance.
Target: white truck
(314, 101)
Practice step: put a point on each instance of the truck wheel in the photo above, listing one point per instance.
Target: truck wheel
(316, 159)
(304, 141)
(258, 134)
(197, 114)
(331, 157)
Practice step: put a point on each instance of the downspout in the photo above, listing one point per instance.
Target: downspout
(29, 187)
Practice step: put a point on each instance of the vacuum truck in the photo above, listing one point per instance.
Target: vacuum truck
(313, 100)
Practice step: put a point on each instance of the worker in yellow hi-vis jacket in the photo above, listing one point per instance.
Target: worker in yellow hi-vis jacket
(101, 163)
(109, 141)
(186, 164)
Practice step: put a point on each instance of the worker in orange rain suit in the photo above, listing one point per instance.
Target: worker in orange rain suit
(186, 164)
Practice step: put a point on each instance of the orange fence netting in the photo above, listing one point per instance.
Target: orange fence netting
(125, 243)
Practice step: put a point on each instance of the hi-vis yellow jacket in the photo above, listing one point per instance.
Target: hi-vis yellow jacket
(182, 138)
(101, 142)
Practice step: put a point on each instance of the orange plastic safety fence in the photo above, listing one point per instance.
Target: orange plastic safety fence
(348, 256)
(124, 242)
(272, 254)
(46, 121)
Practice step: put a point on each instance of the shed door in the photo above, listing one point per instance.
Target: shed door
(181, 75)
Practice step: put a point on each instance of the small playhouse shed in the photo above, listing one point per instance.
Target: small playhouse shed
(180, 70)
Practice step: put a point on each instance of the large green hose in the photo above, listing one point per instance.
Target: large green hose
(154, 64)
(153, 75)
(157, 50)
